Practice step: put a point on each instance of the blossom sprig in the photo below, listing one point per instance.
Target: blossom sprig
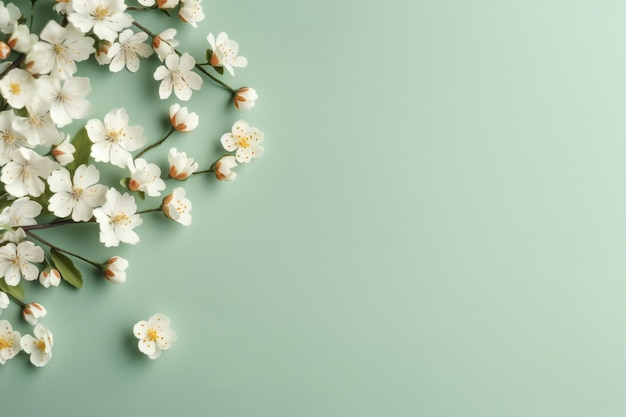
(53, 149)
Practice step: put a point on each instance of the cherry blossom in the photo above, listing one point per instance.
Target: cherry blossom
(177, 207)
(145, 177)
(117, 219)
(24, 174)
(223, 168)
(9, 341)
(115, 270)
(39, 347)
(181, 167)
(182, 119)
(50, 277)
(245, 140)
(33, 312)
(245, 98)
(155, 335)
(78, 197)
(105, 17)
(177, 74)
(127, 51)
(16, 262)
(67, 98)
(225, 53)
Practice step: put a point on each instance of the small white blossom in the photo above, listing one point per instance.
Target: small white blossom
(63, 153)
(164, 43)
(10, 138)
(161, 4)
(177, 207)
(117, 219)
(21, 212)
(21, 40)
(145, 177)
(33, 312)
(15, 262)
(182, 119)
(50, 277)
(245, 140)
(39, 347)
(66, 98)
(181, 167)
(191, 12)
(23, 174)
(115, 270)
(105, 17)
(38, 126)
(58, 51)
(17, 87)
(4, 301)
(225, 53)
(13, 235)
(9, 15)
(154, 335)
(245, 98)
(223, 168)
(9, 341)
(177, 74)
(78, 197)
(127, 51)
(114, 140)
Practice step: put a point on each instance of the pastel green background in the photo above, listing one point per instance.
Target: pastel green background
(437, 228)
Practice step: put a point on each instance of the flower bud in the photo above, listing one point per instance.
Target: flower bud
(21, 40)
(182, 120)
(223, 168)
(33, 312)
(115, 270)
(50, 276)
(245, 98)
(63, 153)
(164, 43)
(102, 52)
(181, 167)
(4, 301)
(177, 207)
(5, 50)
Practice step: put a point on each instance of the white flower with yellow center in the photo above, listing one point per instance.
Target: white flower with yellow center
(39, 347)
(38, 126)
(15, 262)
(78, 197)
(114, 140)
(105, 17)
(177, 74)
(10, 138)
(58, 51)
(117, 219)
(154, 335)
(177, 207)
(127, 51)
(17, 87)
(225, 53)
(66, 98)
(21, 212)
(9, 341)
(245, 140)
(191, 12)
(23, 174)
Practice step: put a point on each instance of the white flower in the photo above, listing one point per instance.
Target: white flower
(33, 312)
(15, 262)
(223, 168)
(164, 43)
(191, 12)
(127, 51)
(63, 153)
(50, 276)
(4, 301)
(38, 127)
(23, 174)
(162, 4)
(181, 167)
(9, 15)
(117, 219)
(225, 53)
(102, 52)
(145, 177)
(115, 270)
(21, 212)
(183, 120)
(58, 51)
(17, 87)
(67, 100)
(177, 207)
(13, 235)
(10, 139)
(39, 347)
(21, 40)
(5, 50)
(114, 140)
(154, 335)
(78, 197)
(105, 17)
(9, 340)
(245, 140)
(177, 74)
(245, 98)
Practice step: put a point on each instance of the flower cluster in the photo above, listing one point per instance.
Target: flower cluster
(50, 177)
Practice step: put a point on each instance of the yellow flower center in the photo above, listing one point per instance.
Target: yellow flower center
(114, 136)
(242, 141)
(15, 88)
(5, 343)
(8, 138)
(120, 218)
(101, 12)
(152, 335)
(41, 345)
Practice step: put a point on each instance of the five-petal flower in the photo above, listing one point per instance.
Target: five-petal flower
(155, 335)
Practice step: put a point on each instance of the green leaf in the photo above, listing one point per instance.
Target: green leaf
(209, 54)
(16, 291)
(82, 143)
(21, 112)
(66, 267)
(124, 182)
(220, 70)
(167, 12)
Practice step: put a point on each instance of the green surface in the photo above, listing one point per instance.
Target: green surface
(437, 227)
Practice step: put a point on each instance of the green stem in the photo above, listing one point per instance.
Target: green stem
(206, 171)
(53, 224)
(14, 64)
(141, 9)
(154, 145)
(150, 210)
(32, 15)
(58, 249)
(198, 66)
